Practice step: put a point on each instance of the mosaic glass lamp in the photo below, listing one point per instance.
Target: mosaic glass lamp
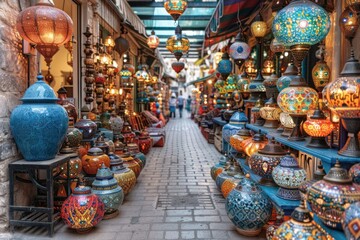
(321, 71)
(178, 66)
(225, 66)
(239, 50)
(318, 127)
(178, 44)
(343, 94)
(175, 8)
(298, 26)
(109, 44)
(153, 40)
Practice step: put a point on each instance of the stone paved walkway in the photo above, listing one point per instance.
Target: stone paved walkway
(175, 197)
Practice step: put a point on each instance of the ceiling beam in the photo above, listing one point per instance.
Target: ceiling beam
(168, 17)
(189, 37)
(153, 4)
(149, 28)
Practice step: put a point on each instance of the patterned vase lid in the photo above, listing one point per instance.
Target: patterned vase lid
(104, 177)
(337, 174)
(247, 185)
(40, 91)
(301, 214)
(244, 132)
(95, 151)
(238, 117)
(223, 159)
(289, 161)
(259, 137)
(271, 102)
(272, 148)
(82, 190)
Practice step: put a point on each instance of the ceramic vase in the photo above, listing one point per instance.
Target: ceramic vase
(237, 139)
(132, 148)
(124, 176)
(69, 107)
(141, 157)
(138, 161)
(100, 143)
(265, 160)
(93, 160)
(39, 124)
(229, 184)
(237, 122)
(130, 162)
(105, 120)
(328, 198)
(82, 210)
(354, 172)
(107, 189)
(214, 171)
(73, 136)
(289, 176)
(254, 144)
(87, 127)
(129, 135)
(145, 142)
(248, 207)
(116, 123)
(300, 226)
(230, 171)
(351, 221)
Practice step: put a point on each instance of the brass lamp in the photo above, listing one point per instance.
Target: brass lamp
(321, 71)
(153, 40)
(175, 8)
(178, 44)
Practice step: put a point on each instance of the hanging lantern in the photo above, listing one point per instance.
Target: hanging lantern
(258, 28)
(239, 50)
(225, 66)
(354, 5)
(121, 44)
(153, 40)
(177, 66)
(349, 23)
(45, 26)
(109, 44)
(321, 71)
(177, 44)
(175, 8)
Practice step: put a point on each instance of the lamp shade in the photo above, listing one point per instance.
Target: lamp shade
(321, 74)
(175, 7)
(225, 66)
(258, 29)
(177, 66)
(239, 50)
(276, 46)
(301, 22)
(349, 23)
(153, 40)
(125, 74)
(45, 26)
(178, 44)
(297, 100)
(121, 45)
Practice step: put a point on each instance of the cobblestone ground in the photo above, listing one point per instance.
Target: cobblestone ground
(175, 197)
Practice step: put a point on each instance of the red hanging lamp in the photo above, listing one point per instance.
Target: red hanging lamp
(177, 66)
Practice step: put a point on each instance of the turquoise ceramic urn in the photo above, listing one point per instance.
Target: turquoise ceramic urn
(107, 189)
(248, 207)
(237, 122)
(39, 125)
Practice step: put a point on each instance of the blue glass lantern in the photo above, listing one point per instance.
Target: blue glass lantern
(224, 66)
(239, 50)
(301, 22)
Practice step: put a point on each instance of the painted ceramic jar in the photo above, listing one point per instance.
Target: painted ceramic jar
(138, 161)
(237, 139)
(130, 162)
(129, 135)
(354, 172)
(252, 145)
(39, 124)
(87, 127)
(265, 160)
(73, 136)
(229, 184)
(141, 157)
(69, 107)
(300, 226)
(116, 123)
(107, 189)
(270, 231)
(124, 176)
(351, 222)
(75, 167)
(214, 172)
(248, 207)
(328, 198)
(289, 176)
(100, 143)
(237, 121)
(145, 142)
(93, 160)
(119, 146)
(105, 120)
(132, 148)
(229, 171)
(82, 210)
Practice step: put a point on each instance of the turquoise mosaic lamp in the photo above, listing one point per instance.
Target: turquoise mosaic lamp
(225, 66)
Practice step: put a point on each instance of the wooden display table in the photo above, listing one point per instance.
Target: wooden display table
(32, 216)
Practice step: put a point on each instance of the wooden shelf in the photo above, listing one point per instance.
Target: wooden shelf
(328, 156)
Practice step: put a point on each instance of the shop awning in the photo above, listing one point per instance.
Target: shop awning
(224, 22)
(209, 77)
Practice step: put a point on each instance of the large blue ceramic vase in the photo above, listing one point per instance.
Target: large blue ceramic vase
(39, 124)
(237, 122)
(248, 207)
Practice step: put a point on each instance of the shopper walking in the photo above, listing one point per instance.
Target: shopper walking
(172, 104)
(180, 103)
(188, 104)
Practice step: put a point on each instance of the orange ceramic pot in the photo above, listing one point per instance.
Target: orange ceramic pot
(131, 163)
(237, 139)
(93, 160)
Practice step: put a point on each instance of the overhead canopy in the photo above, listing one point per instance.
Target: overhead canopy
(208, 77)
(224, 23)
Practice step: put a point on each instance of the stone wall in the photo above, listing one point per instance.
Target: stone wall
(13, 83)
